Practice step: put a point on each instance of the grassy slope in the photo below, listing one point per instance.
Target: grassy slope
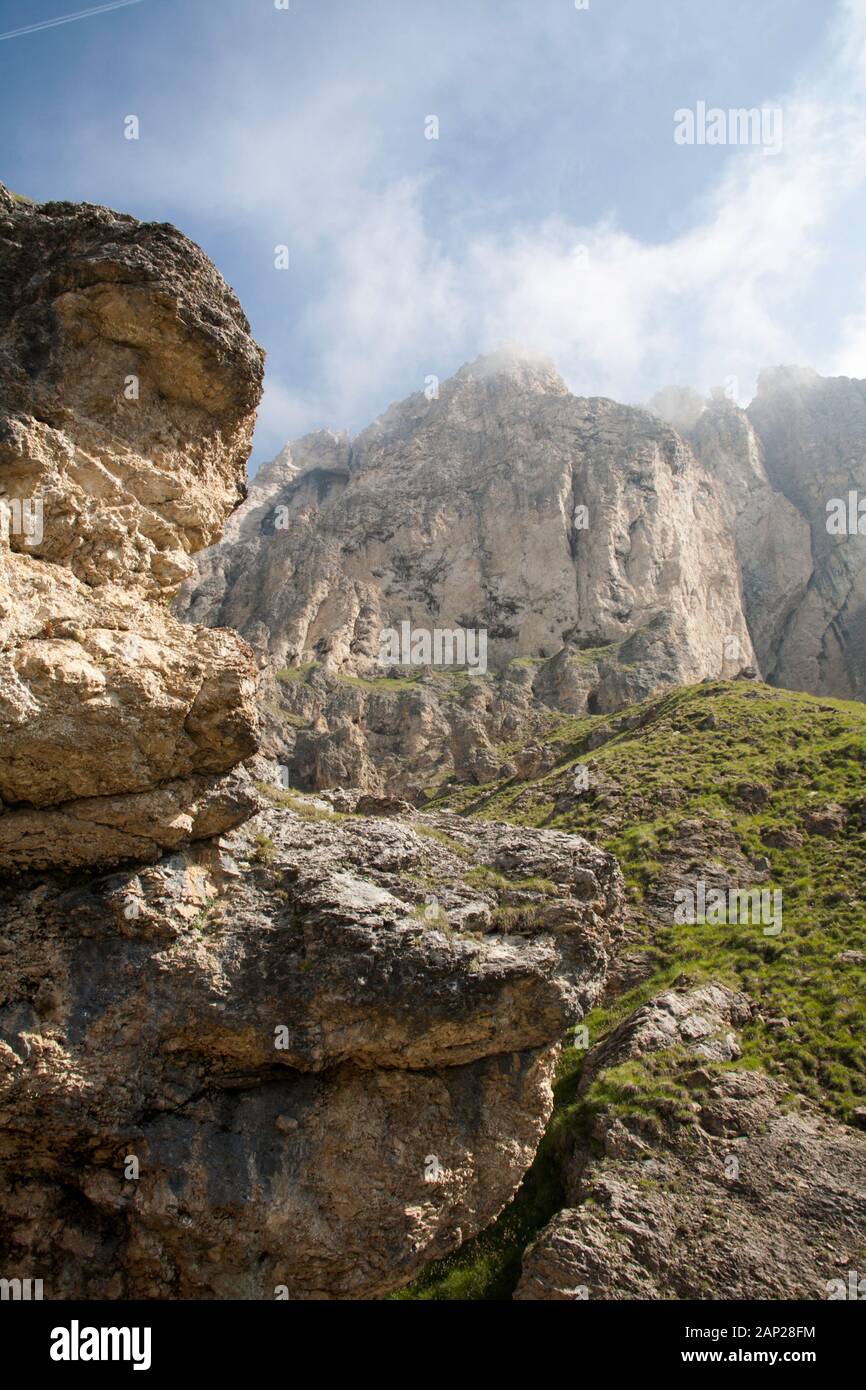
(688, 759)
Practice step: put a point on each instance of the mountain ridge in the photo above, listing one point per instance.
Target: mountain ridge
(559, 526)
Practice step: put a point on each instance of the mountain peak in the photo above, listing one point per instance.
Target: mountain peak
(786, 378)
(528, 370)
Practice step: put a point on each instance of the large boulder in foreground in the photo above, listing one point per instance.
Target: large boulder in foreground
(128, 388)
(327, 1043)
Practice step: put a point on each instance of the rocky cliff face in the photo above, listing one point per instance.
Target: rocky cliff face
(604, 551)
(781, 470)
(814, 435)
(582, 537)
(295, 1055)
(772, 537)
(128, 389)
(326, 1043)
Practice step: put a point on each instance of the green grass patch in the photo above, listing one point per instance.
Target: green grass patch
(432, 832)
(695, 754)
(387, 685)
(297, 674)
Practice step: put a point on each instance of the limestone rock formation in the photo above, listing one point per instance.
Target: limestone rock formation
(776, 468)
(772, 537)
(128, 388)
(747, 1193)
(327, 1041)
(813, 431)
(301, 1058)
(605, 551)
(581, 536)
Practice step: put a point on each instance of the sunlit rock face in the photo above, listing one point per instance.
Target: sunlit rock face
(128, 388)
(244, 1053)
(582, 537)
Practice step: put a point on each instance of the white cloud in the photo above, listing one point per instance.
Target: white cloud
(720, 299)
(409, 257)
(285, 414)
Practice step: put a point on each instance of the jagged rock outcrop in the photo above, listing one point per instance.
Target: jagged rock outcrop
(581, 536)
(326, 1040)
(740, 1193)
(128, 388)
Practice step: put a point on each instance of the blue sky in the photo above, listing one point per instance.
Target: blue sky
(555, 209)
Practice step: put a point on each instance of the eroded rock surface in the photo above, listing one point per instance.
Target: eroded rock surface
(128, 388)
(327, 1039)
(781, 471)
(743, 1192)
(773, 538)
